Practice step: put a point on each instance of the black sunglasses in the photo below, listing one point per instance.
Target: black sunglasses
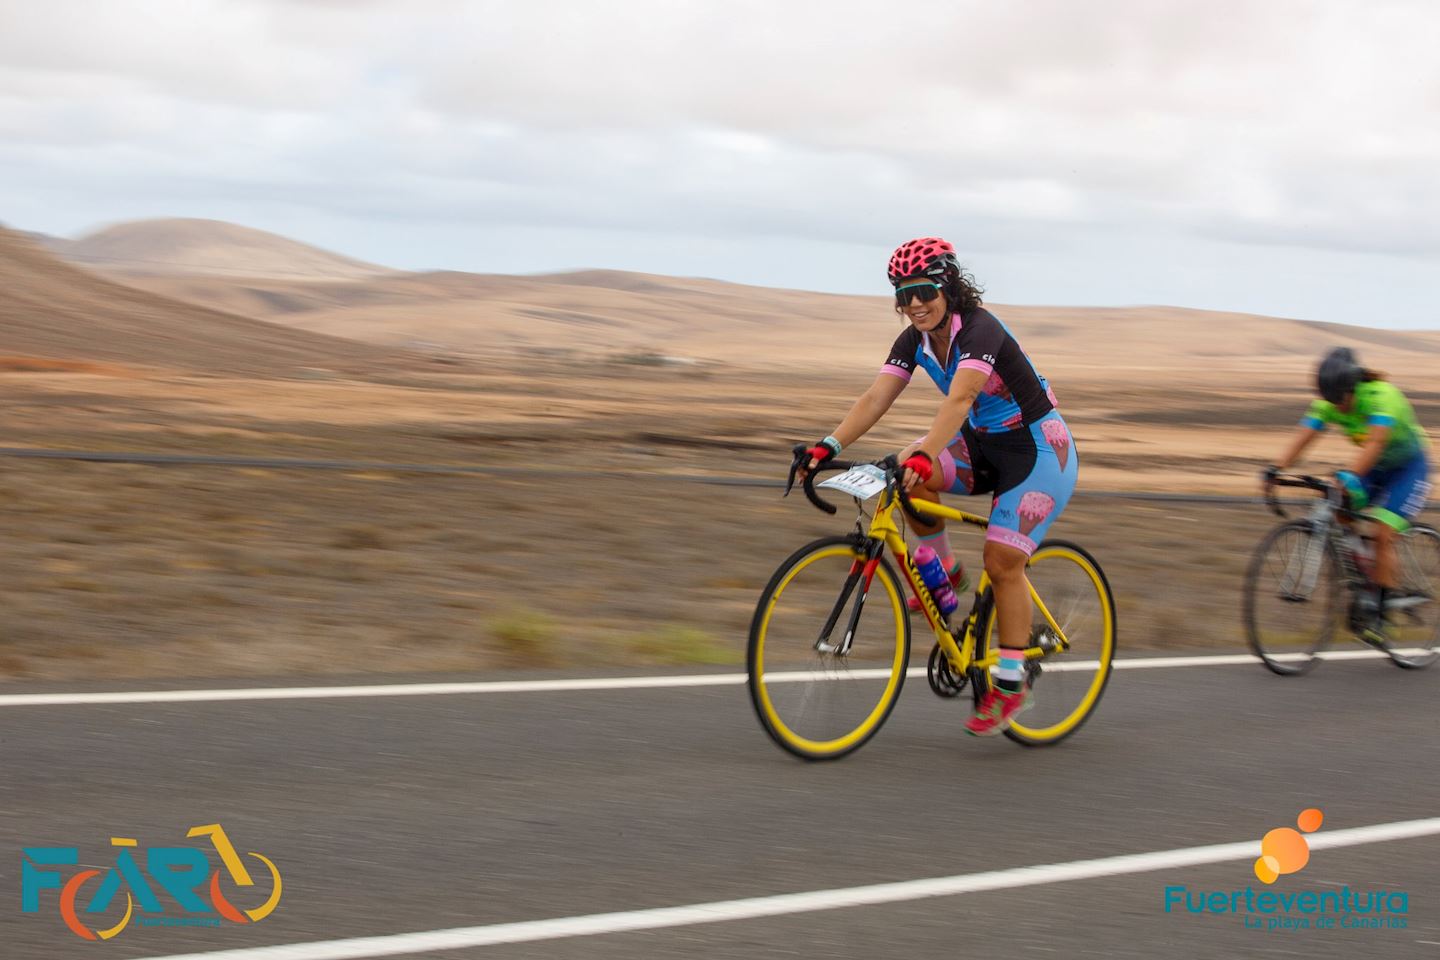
(925, 290)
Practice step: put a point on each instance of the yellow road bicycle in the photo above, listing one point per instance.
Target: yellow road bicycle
(829, 645)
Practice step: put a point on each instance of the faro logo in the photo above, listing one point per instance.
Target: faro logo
(182, 872)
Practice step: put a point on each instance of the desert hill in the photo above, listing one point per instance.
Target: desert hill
(607, 313)
(604, 313)
(211, 247)
(52, 309)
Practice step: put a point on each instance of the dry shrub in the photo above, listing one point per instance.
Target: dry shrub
(526, 637)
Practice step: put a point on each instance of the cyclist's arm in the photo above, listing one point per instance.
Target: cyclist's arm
(1369, 453)
(869, 408)
(964, 388)
(1304, 436)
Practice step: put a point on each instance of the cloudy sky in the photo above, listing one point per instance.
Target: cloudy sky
(1276, 156)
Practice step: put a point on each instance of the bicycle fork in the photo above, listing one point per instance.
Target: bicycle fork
(862, 574)
(1303, 584)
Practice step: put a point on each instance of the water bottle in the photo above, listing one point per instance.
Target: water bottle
(932, 571)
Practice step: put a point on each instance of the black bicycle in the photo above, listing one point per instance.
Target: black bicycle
(1310, 578)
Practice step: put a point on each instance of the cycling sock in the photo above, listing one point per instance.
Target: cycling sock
(940, 543)
(1010, 674)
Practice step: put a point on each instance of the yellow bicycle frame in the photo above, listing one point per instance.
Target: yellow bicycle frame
(961, 655)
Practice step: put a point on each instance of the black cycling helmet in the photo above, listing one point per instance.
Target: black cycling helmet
(1338, 374)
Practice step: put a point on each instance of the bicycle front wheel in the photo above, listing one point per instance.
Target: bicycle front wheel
(1291, 601)
(1412, 619)
(829, 646)
(1065, 687)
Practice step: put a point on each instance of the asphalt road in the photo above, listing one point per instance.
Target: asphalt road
(393, 815)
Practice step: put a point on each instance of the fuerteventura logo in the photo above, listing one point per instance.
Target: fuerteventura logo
(1284, 851)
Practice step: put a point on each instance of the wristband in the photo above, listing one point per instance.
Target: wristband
(833, 444)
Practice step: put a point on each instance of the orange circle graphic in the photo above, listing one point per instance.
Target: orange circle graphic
(1288, 847)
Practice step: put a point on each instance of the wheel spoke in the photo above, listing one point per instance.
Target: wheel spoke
(1291, 598)
(1413, 621)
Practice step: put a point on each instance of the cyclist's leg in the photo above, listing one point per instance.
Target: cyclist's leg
(1037, 467)
(959, 472)
(932, 534)
(1397, 496)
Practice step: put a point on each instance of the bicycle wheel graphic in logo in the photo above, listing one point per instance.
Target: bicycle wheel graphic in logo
(68, 896)
(228, 910)
(240, 877)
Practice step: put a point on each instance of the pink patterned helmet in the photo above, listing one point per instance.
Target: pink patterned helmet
(929, 256)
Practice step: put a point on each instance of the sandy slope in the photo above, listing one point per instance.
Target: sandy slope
(600, 314)
(213, 247)
(52, 309)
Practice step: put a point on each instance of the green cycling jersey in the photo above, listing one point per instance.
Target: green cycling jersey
(1377, 403)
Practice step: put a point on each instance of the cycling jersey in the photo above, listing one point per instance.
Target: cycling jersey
(1014, 444)
(1376, 403)
(1015, 395)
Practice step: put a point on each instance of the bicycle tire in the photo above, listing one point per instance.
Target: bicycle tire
(1077, 593)
(868, 676)
(1286, 649)
(1414, 632)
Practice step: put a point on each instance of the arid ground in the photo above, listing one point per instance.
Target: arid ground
(115, 570)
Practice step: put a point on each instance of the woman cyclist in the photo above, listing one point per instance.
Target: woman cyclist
(996, 431)
(1388, 477)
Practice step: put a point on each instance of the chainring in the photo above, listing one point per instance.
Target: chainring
(943, 681)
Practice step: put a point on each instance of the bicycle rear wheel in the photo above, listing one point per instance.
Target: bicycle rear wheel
(1065, 687)
(828, 649)
(1413, 618)
(1291, 598)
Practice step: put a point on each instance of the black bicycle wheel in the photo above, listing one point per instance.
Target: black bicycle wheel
(826, 662)
(1412, 617)
(1292, 598)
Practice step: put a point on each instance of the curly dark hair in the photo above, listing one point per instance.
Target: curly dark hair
(961, 291)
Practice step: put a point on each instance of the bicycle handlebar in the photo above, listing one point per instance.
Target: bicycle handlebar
(801, 459)
(1332, 492)
(889, 464)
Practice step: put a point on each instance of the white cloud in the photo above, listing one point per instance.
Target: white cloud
(1024, 126)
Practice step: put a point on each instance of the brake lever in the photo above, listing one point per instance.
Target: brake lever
(797, 452)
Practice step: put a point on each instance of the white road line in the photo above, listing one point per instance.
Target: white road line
(790, 903)
(567, 686)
